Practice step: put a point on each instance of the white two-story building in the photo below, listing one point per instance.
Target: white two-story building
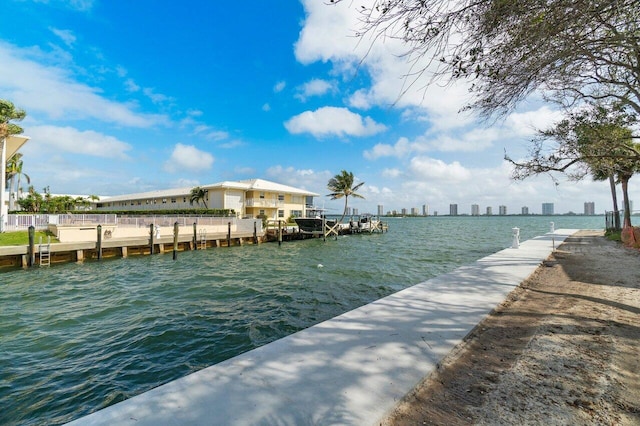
(247, 198)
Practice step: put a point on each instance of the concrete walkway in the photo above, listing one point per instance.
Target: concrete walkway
(350, 370)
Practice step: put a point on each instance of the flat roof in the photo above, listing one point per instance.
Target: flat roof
(245, 185)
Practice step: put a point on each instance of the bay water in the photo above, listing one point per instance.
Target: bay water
(75, 338)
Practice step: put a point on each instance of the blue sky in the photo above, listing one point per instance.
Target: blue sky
(134, 96)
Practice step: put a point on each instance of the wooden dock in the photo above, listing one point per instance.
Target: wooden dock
(23, 256)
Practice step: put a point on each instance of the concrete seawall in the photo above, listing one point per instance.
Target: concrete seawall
(351, 369)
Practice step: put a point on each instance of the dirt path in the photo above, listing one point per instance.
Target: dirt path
(564, 348)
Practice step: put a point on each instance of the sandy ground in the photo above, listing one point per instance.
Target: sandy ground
(563, 349)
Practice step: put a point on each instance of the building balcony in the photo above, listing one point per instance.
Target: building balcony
(264, 203)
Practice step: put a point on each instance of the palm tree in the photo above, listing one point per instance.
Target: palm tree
(8, 113)
(198, 194)
(341, 185)
(14, 168)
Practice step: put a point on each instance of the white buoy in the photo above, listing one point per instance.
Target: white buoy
(320, 265)
(516, 238)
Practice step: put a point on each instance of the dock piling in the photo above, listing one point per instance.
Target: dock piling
(32, 245)
(99, 241)
(151, 239)
(255, 232)
(195, 236)
(175, 240)
(229, 235)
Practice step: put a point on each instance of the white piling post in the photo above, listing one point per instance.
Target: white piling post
(516, 238)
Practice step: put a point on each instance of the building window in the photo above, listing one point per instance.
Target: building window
(262, 195)
(296, 213)
(184, 199)
(280, 213)
(164, 201)
(174, 200)
(280, 197)
(139, 203)
(262, 212)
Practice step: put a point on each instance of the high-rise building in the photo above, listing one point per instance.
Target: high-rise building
(475, 210)
(414, 211)
(525, 211)
(547, 209)
(347, 211)
(589, 208)
(425, 210)
(380, 210)
(404, 211)
(355, 212)
(453, 209)
(489, 211)
(502, 210)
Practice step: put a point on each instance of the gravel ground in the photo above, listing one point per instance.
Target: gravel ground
(563, 349)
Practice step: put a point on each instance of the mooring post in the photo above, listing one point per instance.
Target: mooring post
(255, 232)
(229, 235)
(99, 242)
(195, 236)
(324, 228)
(151, 239)
(279, 233)
(175, 240)
(32, 245)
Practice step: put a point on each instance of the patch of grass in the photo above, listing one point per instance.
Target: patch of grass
(613, 235)
(21, 238)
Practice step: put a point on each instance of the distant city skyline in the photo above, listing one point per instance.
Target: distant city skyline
(589, 208)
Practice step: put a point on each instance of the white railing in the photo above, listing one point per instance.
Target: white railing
(17, 222)
(260, 202)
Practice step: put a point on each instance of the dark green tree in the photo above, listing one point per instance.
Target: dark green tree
(572, 50)
(198, 194)
(597, 141)
(341, 186)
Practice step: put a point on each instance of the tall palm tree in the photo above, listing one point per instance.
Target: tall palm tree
(198, 194)
(14, 169)
(8, 113)
(341, 186)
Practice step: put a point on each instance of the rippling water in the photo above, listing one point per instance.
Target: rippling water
(75, 338)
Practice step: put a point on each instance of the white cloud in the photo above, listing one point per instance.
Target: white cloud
(131, 85)
(208, 132)
(401, 148)
(184, 183)
(188, 158)
(66, 36)
(328, 35)
(156, 98)
(266, 107)
(315, 87)
(391, 173)
(231, 144)
(438, 170)
(52, 90)
(76, 141)
(327, 121)
(309, 179)
(279, 86)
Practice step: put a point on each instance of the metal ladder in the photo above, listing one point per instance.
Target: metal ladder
(203, 239)
(45, 252)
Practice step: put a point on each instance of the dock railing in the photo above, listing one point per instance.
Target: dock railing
(18, 222)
